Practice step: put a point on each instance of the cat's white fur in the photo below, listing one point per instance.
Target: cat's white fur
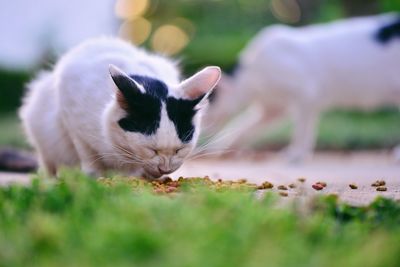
(70, 114)
(305, 71)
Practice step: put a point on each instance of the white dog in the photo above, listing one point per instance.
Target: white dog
(351, 63)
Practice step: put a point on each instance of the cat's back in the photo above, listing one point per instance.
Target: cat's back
(345, 37)
(340, 59)
(83, 79)
(95, 55)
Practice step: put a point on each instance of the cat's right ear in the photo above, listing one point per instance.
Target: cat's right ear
(124, 83)
(127, 88)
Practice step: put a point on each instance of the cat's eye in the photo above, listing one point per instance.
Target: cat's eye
(153, 151)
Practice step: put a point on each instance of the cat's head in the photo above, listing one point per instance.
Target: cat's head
(154, 124)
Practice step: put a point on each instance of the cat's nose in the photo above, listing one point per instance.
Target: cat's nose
(164, 170)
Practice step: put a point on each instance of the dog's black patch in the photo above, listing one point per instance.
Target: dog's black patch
(388, 32)
(144, 109)
(181, 113)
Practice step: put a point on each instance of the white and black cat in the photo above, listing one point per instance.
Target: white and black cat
(350, 64)
(108, 105)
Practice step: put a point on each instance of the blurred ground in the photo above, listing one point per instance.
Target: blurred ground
(337, 169)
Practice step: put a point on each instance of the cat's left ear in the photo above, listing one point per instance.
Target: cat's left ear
(199, 86)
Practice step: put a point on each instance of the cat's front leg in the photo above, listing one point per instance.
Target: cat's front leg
(90, 161)
(396, 153)
(305, 119)
(90, 171)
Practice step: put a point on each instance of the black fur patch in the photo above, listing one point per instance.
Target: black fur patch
(388, 32)
(181, 113)
(153, 87)
(233, 69)
(213, 96)
(144, 109)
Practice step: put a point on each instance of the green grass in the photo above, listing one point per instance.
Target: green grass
(77, 221)
(11, 133)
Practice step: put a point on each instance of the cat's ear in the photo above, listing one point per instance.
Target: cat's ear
(127, 88)
(200, 85)
(124, 83)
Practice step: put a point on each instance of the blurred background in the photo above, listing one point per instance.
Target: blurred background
(197, 32)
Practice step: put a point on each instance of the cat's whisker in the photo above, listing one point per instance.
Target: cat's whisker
(211, 153)
(188, 134)
(129, 155)
(213, 141)
(220, 135)
(125, 151)
(115, 156)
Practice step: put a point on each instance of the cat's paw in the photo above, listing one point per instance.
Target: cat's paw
(90, 171)
(294, 156)
(396, 153)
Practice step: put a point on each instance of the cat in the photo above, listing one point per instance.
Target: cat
(351, 63)
(108, 105)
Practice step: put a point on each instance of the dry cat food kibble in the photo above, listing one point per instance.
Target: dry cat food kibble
(167, 185)
(174, 184)
(283, 194)
(265, 185)
(381, 188)
(192, 184)
(353, 186)
(317, 186)
(378, 183)
(292, 186)
(301, 179)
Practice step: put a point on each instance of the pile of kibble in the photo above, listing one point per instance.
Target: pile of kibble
(168, 185)
(378, 184)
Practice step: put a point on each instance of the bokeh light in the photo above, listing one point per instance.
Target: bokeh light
(287, 11)
(185, 24)
(130, 9)
(136, 31)
(169, 39)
